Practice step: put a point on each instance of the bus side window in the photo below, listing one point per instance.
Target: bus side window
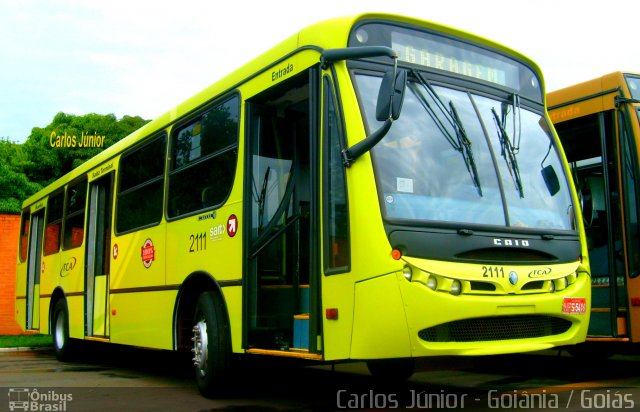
(74, 215)
(24, 235)
(204, 156)
(54, 223)
(141, 184)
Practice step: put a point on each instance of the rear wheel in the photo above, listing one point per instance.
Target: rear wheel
(391, 370)
(60, 330)
(211, 345)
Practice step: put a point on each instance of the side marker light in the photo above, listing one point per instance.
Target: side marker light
(331, 313)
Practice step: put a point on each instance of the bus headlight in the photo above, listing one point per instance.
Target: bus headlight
(559, 284)
(456, 287)
(432, 283)
(562, 283)
(407, 272)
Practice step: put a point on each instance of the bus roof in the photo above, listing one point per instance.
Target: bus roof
(588, 97)
(314, 35)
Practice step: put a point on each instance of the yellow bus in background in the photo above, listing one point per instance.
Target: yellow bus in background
(598, 124)
(373, 188)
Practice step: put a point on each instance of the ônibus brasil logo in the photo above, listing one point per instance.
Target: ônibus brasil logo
(28, 399)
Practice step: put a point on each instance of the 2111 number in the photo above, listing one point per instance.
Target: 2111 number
(198, 242)
(492, 272)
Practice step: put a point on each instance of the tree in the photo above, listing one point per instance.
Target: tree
(52, 151)
(14, 184)
(58, 148)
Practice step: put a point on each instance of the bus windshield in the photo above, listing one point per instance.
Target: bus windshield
(458, 157)
(634, 86)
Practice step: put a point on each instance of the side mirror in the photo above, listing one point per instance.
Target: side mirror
(391, 95)
(388, 107)
(550, 179)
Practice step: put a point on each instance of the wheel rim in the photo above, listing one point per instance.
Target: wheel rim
(200, 351)
(59, 331)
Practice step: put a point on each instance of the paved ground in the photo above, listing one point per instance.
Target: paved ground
(111, 378)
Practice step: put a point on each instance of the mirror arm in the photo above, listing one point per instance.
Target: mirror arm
(329, 56)
(333, 55)
(351, 154)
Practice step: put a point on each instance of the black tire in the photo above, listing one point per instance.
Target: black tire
(62, 344)
(211, 346)
(391, 370)
(591, 351)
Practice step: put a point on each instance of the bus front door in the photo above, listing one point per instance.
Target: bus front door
(591, 146)
(280, 197)
(98, 255)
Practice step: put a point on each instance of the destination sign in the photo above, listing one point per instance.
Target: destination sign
(456, 56)
(437, 60)
(453, 58)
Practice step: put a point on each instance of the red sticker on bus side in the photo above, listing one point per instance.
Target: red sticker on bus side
(232, 225)
(148, 253)
(574, 305)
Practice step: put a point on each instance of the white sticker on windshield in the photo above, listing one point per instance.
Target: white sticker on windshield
(404, 185)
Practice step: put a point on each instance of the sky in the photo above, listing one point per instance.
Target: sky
(142, 57)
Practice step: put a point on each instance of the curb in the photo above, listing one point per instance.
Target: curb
(24, 349)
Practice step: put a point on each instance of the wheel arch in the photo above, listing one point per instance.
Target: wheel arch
(191, 288)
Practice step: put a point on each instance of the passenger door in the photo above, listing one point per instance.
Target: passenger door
(98, 257)
(33, 270)
(282, 212)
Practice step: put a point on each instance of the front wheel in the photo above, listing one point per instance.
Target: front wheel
(391, 370)
(60, 330)
(592, 351)
(211, 345)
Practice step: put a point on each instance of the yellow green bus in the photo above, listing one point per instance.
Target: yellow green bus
(598, 124)
(374, 188)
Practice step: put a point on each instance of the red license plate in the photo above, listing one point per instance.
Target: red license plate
(574, 305)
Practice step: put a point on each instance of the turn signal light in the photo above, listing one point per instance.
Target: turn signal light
(331, 313)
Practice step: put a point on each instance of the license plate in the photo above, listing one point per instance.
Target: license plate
(574, 305)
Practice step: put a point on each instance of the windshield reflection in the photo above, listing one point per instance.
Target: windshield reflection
(423, 176)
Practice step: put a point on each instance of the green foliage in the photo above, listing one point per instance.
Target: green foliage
(26, 341)
(52, 151)
(58, 148)
(14, 184)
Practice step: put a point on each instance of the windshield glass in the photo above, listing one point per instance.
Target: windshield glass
(634, 86)
(427, 173)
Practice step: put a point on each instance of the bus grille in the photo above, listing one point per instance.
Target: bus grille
(496, 328)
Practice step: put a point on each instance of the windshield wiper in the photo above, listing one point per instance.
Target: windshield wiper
(262, 196)
(508, 150)
(465, 148)
(460, 142)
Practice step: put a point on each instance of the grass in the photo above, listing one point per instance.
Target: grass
(26, 341)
